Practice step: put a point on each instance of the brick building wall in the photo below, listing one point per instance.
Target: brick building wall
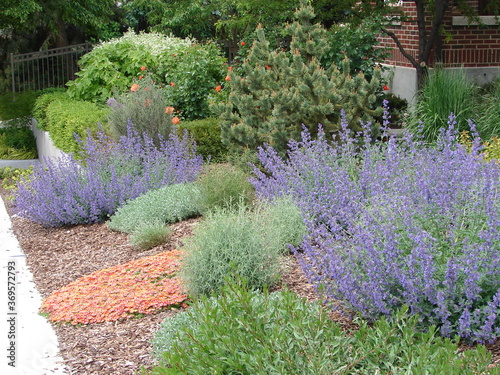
(469, 46)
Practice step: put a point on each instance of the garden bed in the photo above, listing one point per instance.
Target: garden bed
(58, 256)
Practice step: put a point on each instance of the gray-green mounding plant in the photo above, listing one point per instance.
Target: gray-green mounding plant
(226, 242)
(168, 204)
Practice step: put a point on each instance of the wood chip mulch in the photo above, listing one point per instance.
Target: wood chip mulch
(58, 256)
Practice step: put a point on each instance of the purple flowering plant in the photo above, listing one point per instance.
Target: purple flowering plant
(88, 188)
(395, 223)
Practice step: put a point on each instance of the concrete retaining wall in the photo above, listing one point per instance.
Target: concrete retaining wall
(45, 146)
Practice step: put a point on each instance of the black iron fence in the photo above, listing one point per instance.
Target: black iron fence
(43, 69)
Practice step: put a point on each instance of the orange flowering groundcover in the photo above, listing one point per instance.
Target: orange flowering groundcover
(142, 286)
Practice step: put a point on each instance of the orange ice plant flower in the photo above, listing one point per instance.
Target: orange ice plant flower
(228, 78)
(175, 120)
(169, 110)
(218, 88)
(143, 286)
(172, 84)
(134, 87)
(143, 68)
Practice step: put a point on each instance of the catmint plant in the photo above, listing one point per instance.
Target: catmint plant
(89, 189)
(394, 223)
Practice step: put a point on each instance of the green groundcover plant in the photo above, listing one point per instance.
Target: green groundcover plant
(240, 331)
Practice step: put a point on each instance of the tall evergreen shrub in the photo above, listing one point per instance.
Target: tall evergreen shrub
(279, 91)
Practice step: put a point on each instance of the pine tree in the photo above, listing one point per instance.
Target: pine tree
(280, 91)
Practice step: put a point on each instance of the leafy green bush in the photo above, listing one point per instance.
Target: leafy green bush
(188, 71)
(144, 106)
(65, 118)
(168, 204)
(206, 134)
(223, 186)
(17, 140)
(15, 105)
(41, 104)
(359, 43)
(150, 234)
(282, 223)
(443, 92)
(247, 332)
(228, 242)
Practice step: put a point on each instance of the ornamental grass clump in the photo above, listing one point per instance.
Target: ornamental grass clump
(150, 234)
(68, 191)
(395, 223)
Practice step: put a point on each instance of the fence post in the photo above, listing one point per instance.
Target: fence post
(12, 76)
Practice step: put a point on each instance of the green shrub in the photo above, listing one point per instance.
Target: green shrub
(443, 92)
(228, 242)
(223, 186)
(247, 332)
(193, 69)
(145, 107)
(41, 104)
(15, 105)
(168, 204)
(17, 140)
(282, 223)
(66, 118)
(150, 234)
(206, 134)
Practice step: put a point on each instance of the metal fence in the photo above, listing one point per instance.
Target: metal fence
(43, 69)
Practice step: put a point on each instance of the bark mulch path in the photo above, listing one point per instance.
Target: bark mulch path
(58, 256)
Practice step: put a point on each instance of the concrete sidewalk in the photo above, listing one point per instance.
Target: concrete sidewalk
(26, 335)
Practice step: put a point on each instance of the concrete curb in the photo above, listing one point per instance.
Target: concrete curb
(36, 349)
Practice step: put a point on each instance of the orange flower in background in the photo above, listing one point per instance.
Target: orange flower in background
(169, 110)
(141, 77)
(143, 68)
(230, 69)
(134, 87)
(268, 67)
(175, 120)
(243, 43)
(385, 87)
(228, 78)
(218, 88)
(172, 84)
(147, 88)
